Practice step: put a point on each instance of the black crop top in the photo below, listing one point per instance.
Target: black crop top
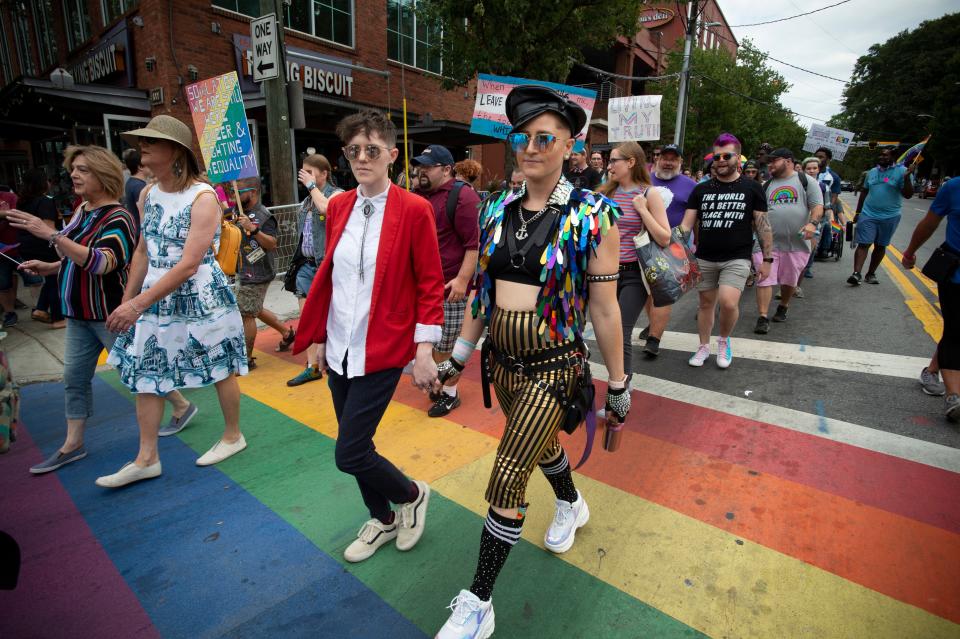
(501, 266)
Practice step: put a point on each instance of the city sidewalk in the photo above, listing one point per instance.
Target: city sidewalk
(36, 351)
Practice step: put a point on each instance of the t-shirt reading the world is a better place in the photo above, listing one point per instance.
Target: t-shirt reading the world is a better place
(725, 213)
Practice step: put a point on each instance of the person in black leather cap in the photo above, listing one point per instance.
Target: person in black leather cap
(536, 360)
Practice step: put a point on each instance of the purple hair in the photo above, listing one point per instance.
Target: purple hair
(725, 139)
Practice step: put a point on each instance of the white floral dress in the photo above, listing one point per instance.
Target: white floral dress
(194, 336)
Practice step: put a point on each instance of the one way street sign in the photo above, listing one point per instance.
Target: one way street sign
(266, 58)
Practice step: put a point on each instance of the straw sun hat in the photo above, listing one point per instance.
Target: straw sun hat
(165, 127)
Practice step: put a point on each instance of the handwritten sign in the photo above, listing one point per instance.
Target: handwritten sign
(837, 140)
(221, 124)
(490, 113)
(634, 118)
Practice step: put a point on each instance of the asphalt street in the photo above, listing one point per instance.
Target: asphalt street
(865, 321)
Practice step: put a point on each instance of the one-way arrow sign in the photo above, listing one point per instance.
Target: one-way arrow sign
(263, 37)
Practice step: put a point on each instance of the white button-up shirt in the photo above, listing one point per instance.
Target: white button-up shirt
(349, 316)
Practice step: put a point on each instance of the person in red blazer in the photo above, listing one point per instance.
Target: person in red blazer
(375, 304)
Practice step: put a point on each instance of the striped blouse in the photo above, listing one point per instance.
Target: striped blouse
(92, 290)
(630, 223)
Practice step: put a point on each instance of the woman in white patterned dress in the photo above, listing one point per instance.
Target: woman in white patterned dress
(179, 323)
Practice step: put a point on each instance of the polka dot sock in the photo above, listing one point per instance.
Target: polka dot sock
(500, 534)
(558, 474)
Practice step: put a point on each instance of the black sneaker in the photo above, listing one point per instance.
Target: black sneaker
(444, 405)
(781, 314)
(854, 279)
(871, 279)
(762, 327)
(10, 319)
(645, 333)
(652, 349)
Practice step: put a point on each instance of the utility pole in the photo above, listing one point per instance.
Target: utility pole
(682, 96)
(278, 118)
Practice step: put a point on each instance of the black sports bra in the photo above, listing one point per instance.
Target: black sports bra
(515, 267)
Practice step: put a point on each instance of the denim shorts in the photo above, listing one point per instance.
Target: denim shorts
(876, 231)
(305, 278)
(8, 271)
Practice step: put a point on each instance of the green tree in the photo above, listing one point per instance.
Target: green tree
(526, 38)
(740, 95)
(909, 87)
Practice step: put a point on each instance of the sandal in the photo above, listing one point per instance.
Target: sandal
(40, 316)
(287, 342)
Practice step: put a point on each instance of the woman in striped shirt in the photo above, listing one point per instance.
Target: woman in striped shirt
(628, 184)
(95, 250)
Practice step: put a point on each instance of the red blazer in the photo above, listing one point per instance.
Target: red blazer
(407, 287)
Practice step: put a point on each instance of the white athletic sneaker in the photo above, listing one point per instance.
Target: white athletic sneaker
(702, 354)
(412, 517)
(372, 535)
(724, 353)
(470, 619)
(562, 531)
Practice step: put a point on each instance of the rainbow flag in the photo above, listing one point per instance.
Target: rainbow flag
(835, 226)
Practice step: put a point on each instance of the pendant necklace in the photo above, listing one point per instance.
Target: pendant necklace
(521, 233)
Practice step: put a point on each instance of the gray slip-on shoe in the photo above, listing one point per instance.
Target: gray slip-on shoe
(57, 460)
(179, 423)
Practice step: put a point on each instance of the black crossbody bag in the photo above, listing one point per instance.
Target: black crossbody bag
(942, 264)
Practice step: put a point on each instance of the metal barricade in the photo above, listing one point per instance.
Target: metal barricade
(287, 234)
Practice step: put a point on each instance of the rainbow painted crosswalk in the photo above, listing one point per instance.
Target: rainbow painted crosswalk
(703, 523)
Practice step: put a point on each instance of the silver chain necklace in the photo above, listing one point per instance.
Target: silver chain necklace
(521, 233)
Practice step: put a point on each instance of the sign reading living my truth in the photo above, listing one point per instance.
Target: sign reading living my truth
(221, 125)
(490, 109)
(634, 118)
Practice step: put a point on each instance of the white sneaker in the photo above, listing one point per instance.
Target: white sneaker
(562, 531)
(470, 619)
(220, 451)
(412, 517)
(371, 536)
(128, 474)
(702, 354)
(724, 353)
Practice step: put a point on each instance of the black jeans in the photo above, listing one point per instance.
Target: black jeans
(632, 296)
(360, 404)
(49, 299)
(948, 350)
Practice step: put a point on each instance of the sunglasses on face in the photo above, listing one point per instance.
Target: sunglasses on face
(146, 141)
(726, 157)
(541, 141)
(371, 151)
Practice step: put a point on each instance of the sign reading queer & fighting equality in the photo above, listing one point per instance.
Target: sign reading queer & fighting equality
(837, 140)
(221, 125)
(634, 118)
(490, 114)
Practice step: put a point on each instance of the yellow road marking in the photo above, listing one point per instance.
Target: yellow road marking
(926, 281)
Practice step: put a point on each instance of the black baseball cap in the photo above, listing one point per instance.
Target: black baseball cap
(527, 101)
(671, 148)
(782, 152)
(434, 155)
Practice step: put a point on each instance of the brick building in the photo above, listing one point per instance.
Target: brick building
(130, 60)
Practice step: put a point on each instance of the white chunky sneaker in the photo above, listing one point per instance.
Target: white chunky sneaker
(412, 518)
(372, 535)
(562, 531)
(702, 354)
(724, 353)
(470, 619)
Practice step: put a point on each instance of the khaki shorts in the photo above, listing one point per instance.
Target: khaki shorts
(250, 298)
(730, 273)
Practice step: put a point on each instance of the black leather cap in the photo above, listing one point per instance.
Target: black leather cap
(527, 101)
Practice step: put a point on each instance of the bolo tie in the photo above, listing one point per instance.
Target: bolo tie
(368, 211)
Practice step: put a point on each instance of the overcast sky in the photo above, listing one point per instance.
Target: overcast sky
(828, 42)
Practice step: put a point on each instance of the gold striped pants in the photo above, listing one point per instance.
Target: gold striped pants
(533, 415)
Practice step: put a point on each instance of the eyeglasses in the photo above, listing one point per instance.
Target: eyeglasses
(371, 151)
(726, 157)
(246, 190)
(542, 142)
(612, 160)
(146, 141)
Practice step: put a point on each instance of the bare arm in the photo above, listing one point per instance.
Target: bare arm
(689, 219)
(863, 197)
(140, 261)
(921, 234)
(761, 224)
(604, 308)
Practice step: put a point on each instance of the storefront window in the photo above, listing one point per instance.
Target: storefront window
(113, 9)
(77, 22)
(409, 40)
(21, 34)
(46, 38)
(328, 19)
(5, 67)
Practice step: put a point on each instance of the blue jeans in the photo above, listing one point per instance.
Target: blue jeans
(84, 342)
(305, 278)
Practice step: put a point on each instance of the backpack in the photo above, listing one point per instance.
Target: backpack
(452, 199)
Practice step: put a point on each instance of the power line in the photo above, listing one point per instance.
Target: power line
(799, 15)
(669, 76)
(769, 57)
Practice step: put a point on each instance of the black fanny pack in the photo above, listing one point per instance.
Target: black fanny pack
(942, 264)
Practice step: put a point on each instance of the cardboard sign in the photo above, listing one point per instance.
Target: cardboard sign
(634, 118)
(837, 140)
(221, 125)
(490, 114)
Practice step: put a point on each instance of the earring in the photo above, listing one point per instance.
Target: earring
(566, 157)
(177, 169)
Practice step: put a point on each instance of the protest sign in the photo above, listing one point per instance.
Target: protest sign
(221, 125)
(490, 114)
(837, 140)
(635, 117)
